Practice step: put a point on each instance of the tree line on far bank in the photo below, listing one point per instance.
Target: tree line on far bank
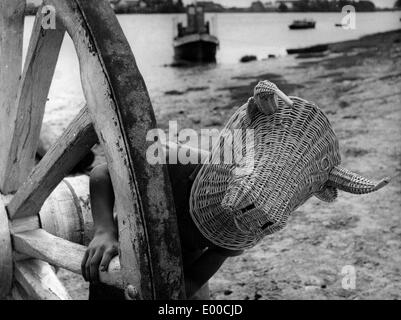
(177, 6)
(328, 6)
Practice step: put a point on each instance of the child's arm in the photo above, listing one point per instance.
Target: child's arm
(104, 245)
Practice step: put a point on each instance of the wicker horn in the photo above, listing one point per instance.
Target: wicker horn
(284, 97)
(348, 181)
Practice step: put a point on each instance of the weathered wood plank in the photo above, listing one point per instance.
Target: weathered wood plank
(16, 294)
(42, 245)
(39, 280)
(6, 262)
(36, 79)
(117, 98)
(19, 293)
(70, 148)
(11, 33)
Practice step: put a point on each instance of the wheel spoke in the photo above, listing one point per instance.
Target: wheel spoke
(62, 253)
(30, 104)
(11, 34)
(39, 280)
(19, 293)
(62, 157)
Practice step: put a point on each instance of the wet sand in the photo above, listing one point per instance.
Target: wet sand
(357, 84)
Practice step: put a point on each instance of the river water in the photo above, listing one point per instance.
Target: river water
(260, 34)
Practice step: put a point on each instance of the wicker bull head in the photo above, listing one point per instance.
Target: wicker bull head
(293, 155)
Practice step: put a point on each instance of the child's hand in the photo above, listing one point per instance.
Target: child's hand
(101, 250)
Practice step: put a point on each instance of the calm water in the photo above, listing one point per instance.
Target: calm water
(261, 34)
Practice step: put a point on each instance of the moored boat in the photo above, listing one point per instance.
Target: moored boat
(303, 24)
(194, 42)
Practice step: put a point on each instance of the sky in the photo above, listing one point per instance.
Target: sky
(246, 3)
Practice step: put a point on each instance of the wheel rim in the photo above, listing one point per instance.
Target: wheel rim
(119, 108)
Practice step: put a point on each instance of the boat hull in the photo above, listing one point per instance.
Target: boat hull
(196, 48)
(292, 27)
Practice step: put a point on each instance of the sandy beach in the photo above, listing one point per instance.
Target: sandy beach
(357, 85)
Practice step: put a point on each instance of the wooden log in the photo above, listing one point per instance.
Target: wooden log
(79, 187)
(11, 34)
(69, 149)
(6, 262)
(37, 75)
(39, 280)
(42, 245)
(119, 104)
(66, 213)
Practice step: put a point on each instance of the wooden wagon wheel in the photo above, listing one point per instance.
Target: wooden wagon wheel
(118, 115)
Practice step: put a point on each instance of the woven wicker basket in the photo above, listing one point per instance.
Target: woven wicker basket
(294, 154)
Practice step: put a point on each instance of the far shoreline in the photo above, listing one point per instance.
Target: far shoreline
(339, 45)
(32, 12)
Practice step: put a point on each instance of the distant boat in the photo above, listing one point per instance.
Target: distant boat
(340, 25)
(302, 24)
(195, 43)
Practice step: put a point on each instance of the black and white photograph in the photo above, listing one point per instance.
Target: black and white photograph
(225, 151)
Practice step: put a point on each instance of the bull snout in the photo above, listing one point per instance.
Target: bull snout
(237, 196)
